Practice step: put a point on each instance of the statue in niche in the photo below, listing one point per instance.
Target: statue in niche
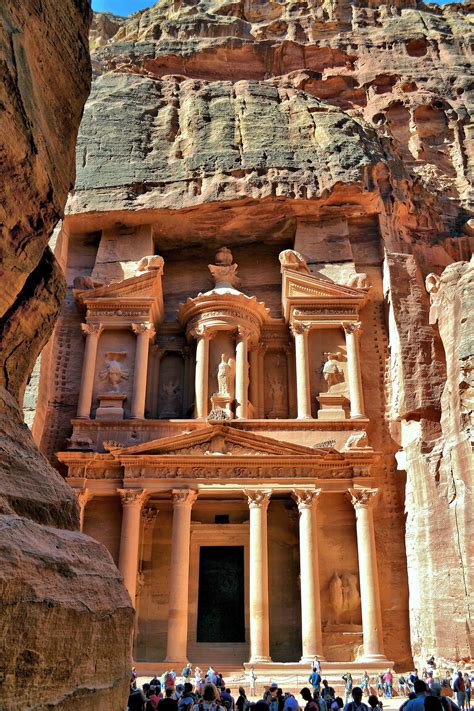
(224, 375)
(332, 372)
(114, 372)
(344, 597)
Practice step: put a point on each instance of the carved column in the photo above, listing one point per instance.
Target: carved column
(187, 381)
(83, 496)
(352, 330)
(201, 404)
(262, 349)
(132, 501)
(362, 500)
(92, 332)
(311, 628)
(259, 609)
(254, 385)
(144, 332)
(300, 332)
(292, 402)
(176, 649)
(242, 373)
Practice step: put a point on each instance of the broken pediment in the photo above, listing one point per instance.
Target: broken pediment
(222, 440)
(300, 289)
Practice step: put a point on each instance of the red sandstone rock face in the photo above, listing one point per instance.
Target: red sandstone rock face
(251, 121)
(63, 606)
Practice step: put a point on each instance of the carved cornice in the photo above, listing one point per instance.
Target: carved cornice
(258, 499)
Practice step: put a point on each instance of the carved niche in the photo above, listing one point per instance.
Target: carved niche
(344, 599)
(171, 386)
(276, 385)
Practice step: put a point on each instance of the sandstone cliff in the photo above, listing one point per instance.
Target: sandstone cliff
(65, 616)
(343, 129)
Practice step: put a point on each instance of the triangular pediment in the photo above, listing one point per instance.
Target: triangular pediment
(221, 440)
(148, 284)
(298, 284)
(300, 289)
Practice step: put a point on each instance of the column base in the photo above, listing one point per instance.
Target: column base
(378, 658)
(305, 417)
(258, 660)
(358, 417)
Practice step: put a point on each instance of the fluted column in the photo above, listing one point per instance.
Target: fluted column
(242, 373)
(201, 403)
(92, 332)
(352, 330)
(83, 496)
(176, 649)
(311, 628)
(254, 375)
(303, 389)
(132, 502)
(259, 608)
(144, 332)
(362, 500)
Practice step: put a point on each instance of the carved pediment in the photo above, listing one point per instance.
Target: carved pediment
(137, 296)
(222, 441)
(304, 289)
(146, 284)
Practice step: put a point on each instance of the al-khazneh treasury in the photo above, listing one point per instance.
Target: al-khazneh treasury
(246, 388)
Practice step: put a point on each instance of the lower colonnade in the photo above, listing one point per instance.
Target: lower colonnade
(135, 509)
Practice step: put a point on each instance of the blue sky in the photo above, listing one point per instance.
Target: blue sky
(125, 7)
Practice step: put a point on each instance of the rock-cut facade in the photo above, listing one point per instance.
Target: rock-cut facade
(260, 384)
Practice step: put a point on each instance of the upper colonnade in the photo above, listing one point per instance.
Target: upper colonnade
(228, 335)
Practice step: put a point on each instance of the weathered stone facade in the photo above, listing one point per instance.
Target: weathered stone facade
(327, 146)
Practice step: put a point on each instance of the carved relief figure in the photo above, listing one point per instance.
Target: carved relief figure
(224, 376)
(344, 597)
(333, 374)
(291, 259)
(114, 372)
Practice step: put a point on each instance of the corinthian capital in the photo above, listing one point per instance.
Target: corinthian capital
(91, 329)
(243, 333)
(298, 328)
(202, 331)
(306, 498)
(352, 327)
(132, 497)
(258, 499)
(183, 497)
(362, 497)
(147, 328)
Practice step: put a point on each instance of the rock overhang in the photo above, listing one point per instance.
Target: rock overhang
(192, 142)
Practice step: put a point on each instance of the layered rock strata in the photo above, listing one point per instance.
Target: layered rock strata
(65, 616)
(340, 129)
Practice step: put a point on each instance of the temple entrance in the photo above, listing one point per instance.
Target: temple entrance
(221, 601)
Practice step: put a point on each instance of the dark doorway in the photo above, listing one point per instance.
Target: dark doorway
(221, 599)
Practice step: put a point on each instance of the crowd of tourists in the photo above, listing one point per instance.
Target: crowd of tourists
(207, 691)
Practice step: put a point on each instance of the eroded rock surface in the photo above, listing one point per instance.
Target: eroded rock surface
(341, 129)
(62, 599)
